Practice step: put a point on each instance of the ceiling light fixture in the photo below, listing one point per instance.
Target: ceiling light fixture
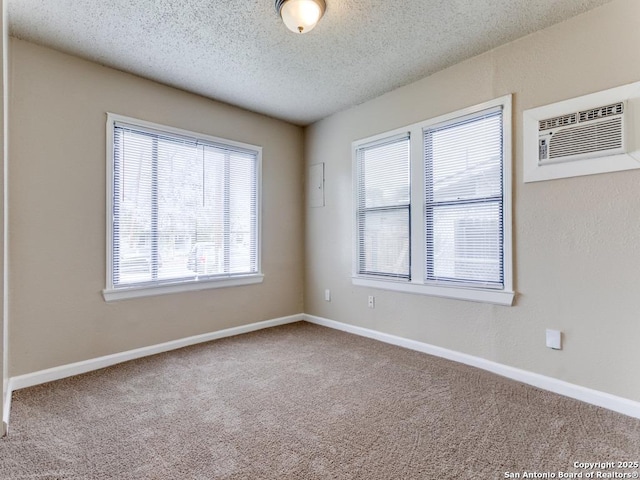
(300, 16)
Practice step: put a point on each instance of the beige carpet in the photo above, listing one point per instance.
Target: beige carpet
(303, 402)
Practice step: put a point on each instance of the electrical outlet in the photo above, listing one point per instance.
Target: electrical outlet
(327, 295)
(372, 301)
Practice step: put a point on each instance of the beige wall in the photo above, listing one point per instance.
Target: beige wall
(576, 241)
(57, 213)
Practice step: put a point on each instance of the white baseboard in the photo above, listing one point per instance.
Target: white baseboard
(594, 397)
(64, 371)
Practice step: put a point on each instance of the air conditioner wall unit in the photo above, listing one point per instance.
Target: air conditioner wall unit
(586, 135)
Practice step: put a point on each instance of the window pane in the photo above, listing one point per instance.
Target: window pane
(208, 249)
(463, 188)
(383, 199)
(242, 214)
(132, 246)
(385, 174)
(182, 210)
(384, 243)
(180, 190)
(464, 160)
(465, 243)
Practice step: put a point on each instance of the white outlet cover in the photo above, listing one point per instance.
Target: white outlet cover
(554, 339)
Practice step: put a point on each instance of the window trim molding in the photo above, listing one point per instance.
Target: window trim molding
(110, 293)
(153, 290)
(482, 295)
(417, 284)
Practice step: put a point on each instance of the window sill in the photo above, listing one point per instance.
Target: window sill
(483, 295)
(114, 294)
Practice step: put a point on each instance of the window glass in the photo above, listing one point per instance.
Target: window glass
(383, 214)
(463, 203)
(184, 209)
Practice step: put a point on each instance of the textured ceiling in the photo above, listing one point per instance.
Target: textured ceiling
(241, 53)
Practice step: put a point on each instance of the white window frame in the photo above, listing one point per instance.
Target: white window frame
(111, 293)
(417, 283)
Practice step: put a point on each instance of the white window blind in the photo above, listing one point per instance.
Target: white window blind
(464, 200)
(383, 208)
(184, 209)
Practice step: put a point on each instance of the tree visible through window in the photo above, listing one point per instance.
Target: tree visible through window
(184, 209)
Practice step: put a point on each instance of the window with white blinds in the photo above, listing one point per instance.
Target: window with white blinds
(464, 200)
(433, 206)
(384, 208)
(183, 210)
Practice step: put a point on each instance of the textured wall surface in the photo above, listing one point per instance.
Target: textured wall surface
(57, 213)
(577, 254)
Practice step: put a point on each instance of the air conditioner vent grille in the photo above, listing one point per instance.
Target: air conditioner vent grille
(561, 121)
(598, 137)
(601, 112)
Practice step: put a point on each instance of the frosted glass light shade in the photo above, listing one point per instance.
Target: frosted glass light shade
(300, 16)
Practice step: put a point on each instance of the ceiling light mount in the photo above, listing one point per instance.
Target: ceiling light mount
(300, 16)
